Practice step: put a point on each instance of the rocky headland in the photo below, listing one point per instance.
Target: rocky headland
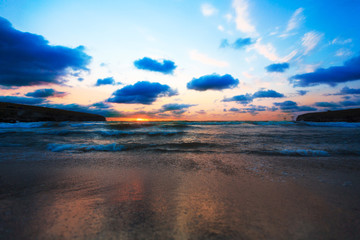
(349, 115)
(11, 112)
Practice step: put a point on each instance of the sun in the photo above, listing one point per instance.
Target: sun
(142, 120)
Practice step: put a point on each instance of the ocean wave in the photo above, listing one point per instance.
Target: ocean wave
(128, 125)
(57, 147)
(22, 125)
(332, 124)
(148, 133)
(303, 152)
(266, 123)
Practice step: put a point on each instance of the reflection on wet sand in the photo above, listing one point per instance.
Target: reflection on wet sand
(99, 202)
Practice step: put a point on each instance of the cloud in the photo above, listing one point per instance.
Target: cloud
(208, 9)
(267, 50)
(101, 105)
(165, 67)
(295, 20)
(290, 106)
(248, 98)
(350, 103)
(22, 100)
(277, 67)
(341, 41)
(343, 52)
(105, 81)
(302, 92)
(80, 79)
(175, 108)
(327, 104)
(141, 92)
(195, 55)
(242, 99)
(267, 94)
(213, 82)
(332, 76)
(44, 93)
(310, 40)
(242, 20)
(239, 43)
(253, 109)
(347, 90)
(27, 59)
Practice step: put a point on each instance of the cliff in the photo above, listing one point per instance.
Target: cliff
(11, 112)
(349, 115)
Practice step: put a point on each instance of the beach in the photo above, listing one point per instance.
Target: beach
(85, 192)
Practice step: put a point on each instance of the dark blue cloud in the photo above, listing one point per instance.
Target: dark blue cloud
(327, 104)
(267, 94)
(22, 100)
(291, 106)
(253, 109)
(101, 105)
(238, 44)
(347, 90)
(213, 82)
(277, 67)
(44, 93)
(302, 92)
(248, 98)
(175, 107)
(165, 67)
(105, 81)
(141, 92)
(332, 76)
(242, 99)
(27, 59)
(350, 103)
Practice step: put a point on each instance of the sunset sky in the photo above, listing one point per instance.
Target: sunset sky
(182, 59)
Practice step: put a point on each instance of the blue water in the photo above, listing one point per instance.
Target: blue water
(260, 138)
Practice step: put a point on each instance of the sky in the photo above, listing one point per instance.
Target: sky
(182, 59)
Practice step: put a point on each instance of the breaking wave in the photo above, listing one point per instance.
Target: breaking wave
(56, 147)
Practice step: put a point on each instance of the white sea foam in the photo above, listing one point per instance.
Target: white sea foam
(304, 152)
(56, 147)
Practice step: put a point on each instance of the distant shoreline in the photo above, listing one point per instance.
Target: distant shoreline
(12, 112)
(348, 115)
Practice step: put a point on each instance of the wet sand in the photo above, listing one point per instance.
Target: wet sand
(148, 195)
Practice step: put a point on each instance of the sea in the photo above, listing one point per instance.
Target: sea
(284, 138)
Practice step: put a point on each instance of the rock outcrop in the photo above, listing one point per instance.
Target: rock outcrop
(349, 115)
(11, 112)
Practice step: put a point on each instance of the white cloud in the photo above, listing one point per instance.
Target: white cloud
(242, 20)
(200, 57)
(228, 17)
(267, 50)
(208, 9)
(289, 56)
(310, 40)
(343, 52)
(221, 28)
(295, 20)
(340, 41)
